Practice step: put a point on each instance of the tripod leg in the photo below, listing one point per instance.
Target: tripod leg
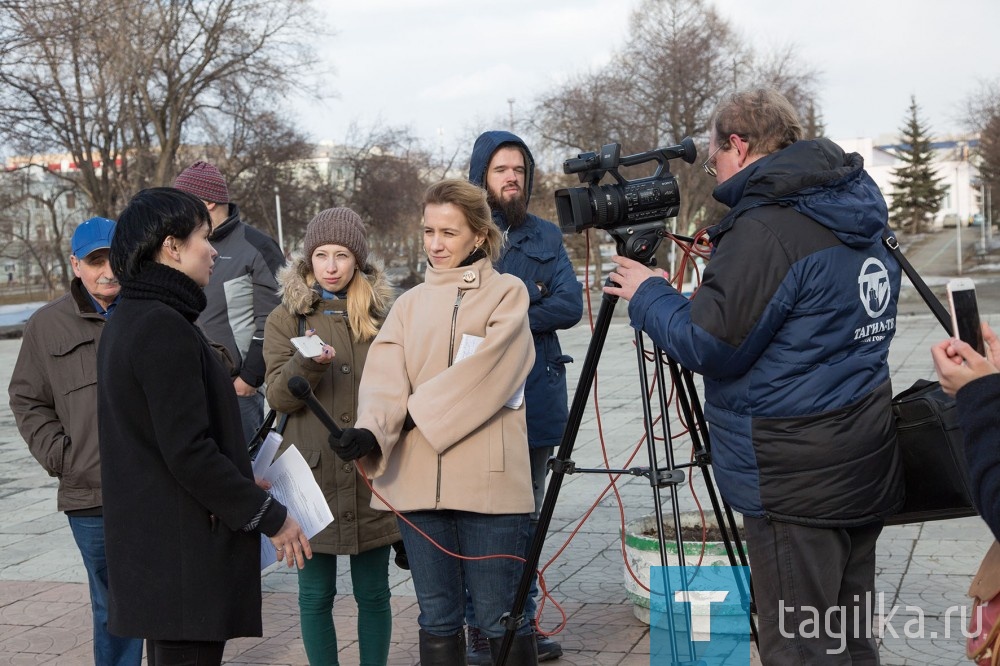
(698, 428)
(655, 482)
(577, 407)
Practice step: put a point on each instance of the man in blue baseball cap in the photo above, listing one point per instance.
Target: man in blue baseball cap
(91, 246)
(53, 395)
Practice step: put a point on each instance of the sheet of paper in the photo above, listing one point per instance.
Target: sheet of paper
(467, 346)
(265, 455)
(293, 484)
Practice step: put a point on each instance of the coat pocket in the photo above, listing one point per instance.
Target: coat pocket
(75, 363)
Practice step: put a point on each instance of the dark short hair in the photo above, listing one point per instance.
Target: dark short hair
(151, 216)
(762, 117)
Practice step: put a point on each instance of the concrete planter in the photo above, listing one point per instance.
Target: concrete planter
(642, 550)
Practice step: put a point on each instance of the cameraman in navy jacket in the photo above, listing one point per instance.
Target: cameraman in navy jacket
(790, 329)
(533, 251)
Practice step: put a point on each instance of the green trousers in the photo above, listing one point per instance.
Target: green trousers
(317, 589)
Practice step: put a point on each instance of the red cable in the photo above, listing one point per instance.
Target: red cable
(698, 248)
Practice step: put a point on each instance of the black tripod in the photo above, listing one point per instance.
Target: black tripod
(669, 476)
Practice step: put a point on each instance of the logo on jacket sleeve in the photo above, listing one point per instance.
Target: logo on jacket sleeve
(873, 287)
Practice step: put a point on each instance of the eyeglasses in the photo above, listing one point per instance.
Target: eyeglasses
(709, 165)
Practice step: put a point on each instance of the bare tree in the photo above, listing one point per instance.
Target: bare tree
(982, 116)
(37, 224)
(388, 172)
(679, 58)
(784, 70)
(120, 85)
(264, 157)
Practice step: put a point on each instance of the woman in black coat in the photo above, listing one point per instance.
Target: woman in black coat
(182, 514)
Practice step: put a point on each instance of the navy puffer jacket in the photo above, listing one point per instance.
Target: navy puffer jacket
(791, 329)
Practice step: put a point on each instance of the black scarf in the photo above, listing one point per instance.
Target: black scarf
(159, 282)
(474, 256)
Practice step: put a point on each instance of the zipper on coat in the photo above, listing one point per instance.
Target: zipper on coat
(437, 491)
(451, 356)
(454, 325)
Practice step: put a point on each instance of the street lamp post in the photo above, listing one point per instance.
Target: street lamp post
(982, 223)
(958, 226)
(277, 208)
(989, 213)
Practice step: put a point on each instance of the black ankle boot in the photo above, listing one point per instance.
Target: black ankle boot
(522, 653)
(442, 650)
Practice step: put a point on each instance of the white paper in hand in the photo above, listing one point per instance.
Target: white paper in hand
(265, 455)
(293, 484)
(310, 345)
(468, 345)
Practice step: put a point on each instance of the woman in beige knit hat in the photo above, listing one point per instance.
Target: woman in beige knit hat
(339, 293)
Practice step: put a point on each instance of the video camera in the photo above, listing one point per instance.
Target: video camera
(630, 210)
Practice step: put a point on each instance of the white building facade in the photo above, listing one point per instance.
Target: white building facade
(954, 165)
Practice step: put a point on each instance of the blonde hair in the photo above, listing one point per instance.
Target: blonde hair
(471, 201)
(366, 306)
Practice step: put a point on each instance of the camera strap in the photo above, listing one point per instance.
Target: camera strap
(925, 292)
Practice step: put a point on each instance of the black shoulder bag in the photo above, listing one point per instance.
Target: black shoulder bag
(253, 446)
(930, 443)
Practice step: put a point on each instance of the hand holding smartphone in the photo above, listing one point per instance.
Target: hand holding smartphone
(311, 346)
(965, 313)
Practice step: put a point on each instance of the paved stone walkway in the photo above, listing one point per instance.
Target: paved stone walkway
(924, 569)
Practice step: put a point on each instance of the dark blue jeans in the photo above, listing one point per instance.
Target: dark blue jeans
(539, 457)
(440, 580)
(251, 413)
(88, 531)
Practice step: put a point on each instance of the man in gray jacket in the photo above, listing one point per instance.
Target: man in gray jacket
(53, 396)
(242, 290)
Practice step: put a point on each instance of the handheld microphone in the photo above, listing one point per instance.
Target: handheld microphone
(300, 388)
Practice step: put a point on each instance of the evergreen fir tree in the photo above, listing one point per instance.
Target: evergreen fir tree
(812, 123)
(917, 192)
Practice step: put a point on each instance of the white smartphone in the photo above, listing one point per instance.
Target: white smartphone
(310, 345)
(965, 313)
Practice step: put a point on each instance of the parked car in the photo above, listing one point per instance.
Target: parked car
(949, 220)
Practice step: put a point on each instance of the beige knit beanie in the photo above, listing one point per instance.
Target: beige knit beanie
(338, 226)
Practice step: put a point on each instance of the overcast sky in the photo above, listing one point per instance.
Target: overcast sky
(447, 68)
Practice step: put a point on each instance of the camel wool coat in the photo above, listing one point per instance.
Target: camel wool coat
(468, 451)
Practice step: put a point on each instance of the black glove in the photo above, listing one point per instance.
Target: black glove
(402, 561)
(353, 444)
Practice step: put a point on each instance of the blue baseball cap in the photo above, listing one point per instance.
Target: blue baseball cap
(94, 234)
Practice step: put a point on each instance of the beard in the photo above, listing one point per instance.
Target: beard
(514, 210)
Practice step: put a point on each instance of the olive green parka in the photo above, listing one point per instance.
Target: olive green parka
(356, 527)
